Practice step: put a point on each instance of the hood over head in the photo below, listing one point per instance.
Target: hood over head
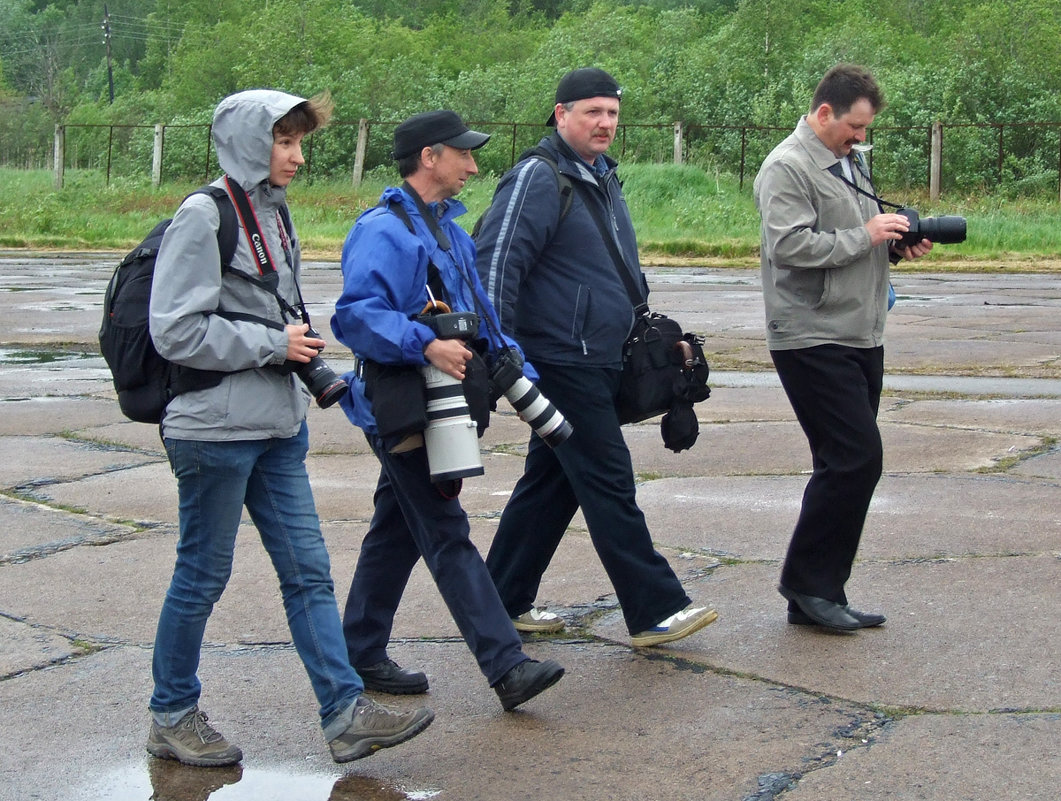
(243, 132)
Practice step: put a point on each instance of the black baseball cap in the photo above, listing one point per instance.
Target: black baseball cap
(433, 128)
(582, 83)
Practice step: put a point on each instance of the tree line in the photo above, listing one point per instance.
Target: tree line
(706, 62)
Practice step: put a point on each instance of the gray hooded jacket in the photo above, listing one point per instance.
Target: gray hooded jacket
(255, 401)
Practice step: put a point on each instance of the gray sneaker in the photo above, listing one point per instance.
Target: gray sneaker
(192, 741)
(376, 726)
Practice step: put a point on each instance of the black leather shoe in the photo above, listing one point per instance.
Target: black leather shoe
(389, 677)
(820, 611)
(866, 619)
(526, 680)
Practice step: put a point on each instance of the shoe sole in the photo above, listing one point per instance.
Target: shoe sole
(395, 689)
(163, 751)
(546, 681)
(539, 628)
(646, 640)
(370, 745)
(801, 619)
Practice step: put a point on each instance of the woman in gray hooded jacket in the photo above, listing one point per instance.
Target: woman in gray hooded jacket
(244, 442)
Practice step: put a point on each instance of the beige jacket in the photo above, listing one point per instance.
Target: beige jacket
(822, 281)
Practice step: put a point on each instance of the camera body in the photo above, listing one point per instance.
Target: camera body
(946, 230)
(451, 436)
(531, 406)
(323, 384)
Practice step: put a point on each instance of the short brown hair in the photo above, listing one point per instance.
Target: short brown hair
(843, 86)
(307, 116)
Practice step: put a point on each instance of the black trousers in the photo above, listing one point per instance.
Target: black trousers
(412, 520)
(591, 470)
(835, 392)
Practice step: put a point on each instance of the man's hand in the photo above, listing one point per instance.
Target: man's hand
(887, 227)
(301, 348)
(448, 355)
(914, 251)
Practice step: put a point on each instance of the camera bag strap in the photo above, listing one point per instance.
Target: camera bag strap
(625, 273)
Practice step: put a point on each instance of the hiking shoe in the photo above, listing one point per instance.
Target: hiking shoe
(681, 624)
(376, 726)
(526, 680)
(192, 741)
(539, 621)
(390, 677)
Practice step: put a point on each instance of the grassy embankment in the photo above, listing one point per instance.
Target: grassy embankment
(683, 215)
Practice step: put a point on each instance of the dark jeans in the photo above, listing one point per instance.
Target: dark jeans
(411, 520)
(835, 393)
(592, 469)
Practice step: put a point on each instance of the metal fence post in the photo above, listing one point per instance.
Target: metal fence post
(110, 148)
(156, 157)
(60, 155)
(359, 152)
(935, 161)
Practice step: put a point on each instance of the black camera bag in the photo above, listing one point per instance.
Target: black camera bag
(664, 369)
(661, 366)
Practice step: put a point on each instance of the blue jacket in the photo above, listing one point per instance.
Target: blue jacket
(385, 286)
(553, 283)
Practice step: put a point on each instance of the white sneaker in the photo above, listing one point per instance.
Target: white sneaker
(680, 624)
(539, 621)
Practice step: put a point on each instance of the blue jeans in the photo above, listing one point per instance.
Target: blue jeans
(215, 480)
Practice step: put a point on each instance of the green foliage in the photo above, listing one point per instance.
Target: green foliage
(706, 63)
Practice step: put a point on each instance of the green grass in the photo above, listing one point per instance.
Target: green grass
(680, 211)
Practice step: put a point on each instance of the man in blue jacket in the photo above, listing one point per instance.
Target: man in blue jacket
(393, 253)
(548, 272)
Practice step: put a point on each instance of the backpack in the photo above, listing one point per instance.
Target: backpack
(146, 382)
(563, 183)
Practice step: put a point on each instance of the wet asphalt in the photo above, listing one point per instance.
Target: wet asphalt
(958, 696)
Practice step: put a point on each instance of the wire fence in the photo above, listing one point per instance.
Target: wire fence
(1017, 158)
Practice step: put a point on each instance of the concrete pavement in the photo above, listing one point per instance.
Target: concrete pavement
(958, 696)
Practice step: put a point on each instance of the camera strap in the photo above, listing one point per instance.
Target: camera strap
(837, 170)
(269, 280)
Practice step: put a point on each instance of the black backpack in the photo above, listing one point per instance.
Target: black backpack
(146, 382)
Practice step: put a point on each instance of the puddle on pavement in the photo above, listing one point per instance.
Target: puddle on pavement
(165, 780)
(24, 357)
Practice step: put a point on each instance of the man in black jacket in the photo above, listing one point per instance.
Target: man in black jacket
(545, 265)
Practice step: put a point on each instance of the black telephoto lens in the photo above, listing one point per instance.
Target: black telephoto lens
(946, 230)
(322, 382)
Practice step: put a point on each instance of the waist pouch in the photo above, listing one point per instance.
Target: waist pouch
(396, 392)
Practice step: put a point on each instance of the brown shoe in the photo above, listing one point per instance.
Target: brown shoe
(376, 726)
(192, 741)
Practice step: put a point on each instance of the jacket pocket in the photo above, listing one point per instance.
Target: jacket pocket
(826, 291)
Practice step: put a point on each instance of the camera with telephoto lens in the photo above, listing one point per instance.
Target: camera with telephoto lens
(322, 382)
(451, 436)
(531, 406)
(946, 230)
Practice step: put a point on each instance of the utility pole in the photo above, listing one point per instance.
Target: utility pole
(106, 26)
